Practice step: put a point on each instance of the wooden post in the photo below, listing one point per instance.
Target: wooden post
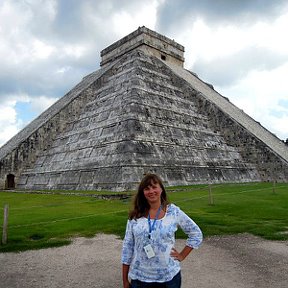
(5, 224)
(211, 202)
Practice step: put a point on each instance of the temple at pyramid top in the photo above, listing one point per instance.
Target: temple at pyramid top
(147, 40)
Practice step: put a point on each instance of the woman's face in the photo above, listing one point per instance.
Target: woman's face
(153, 193)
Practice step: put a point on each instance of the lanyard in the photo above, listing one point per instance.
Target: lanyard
(151, 227)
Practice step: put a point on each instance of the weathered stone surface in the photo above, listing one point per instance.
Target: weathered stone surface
(137, 114)
(150, 42)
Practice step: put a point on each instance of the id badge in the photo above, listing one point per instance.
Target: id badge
(149, 251)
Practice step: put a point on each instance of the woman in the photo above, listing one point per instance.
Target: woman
(149, 258)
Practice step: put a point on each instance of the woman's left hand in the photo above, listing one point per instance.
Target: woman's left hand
(176, 255)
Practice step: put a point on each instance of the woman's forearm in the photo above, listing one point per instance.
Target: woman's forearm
(185, 252)
(125, 270)
(180, 256)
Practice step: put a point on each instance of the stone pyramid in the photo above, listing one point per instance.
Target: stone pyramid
(141, 112)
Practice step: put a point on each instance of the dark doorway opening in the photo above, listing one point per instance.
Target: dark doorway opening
(10, 181)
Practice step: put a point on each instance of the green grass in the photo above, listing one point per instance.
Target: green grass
(37, 221)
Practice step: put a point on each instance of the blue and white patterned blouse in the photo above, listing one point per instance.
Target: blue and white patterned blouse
(162, 267)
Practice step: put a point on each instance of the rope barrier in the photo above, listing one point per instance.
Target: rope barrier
(54, 205)
(65, 219)
(119, 211)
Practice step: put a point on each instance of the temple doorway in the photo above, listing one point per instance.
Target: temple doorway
(10, 181)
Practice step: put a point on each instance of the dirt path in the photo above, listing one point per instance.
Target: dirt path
(232, 261)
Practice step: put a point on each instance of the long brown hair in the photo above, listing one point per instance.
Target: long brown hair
(140, 203)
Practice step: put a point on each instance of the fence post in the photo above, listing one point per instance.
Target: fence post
(211, 202)
(274, 186)
(5, 224)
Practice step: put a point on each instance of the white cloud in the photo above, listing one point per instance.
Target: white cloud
(8, 121)
(271, 35)
(124, 22)
(41, 50)
(74, 50)
(259, 94)
(8, 114)
(41, 103)
(206, 42)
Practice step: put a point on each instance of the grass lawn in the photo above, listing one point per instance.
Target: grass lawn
(37, 221)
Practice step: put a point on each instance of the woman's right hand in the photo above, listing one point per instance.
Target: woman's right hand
(125, 270)
(126, 285)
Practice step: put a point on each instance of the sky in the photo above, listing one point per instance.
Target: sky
(48, 46)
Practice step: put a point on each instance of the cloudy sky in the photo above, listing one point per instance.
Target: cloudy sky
(48, 46)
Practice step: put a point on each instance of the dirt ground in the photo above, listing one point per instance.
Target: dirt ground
(231, 261)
